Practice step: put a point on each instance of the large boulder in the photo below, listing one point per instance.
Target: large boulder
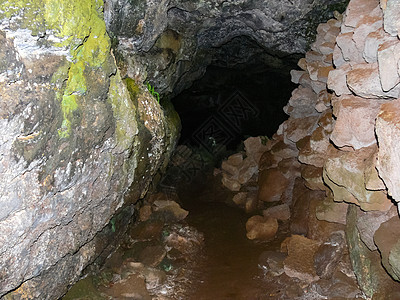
(74, 137)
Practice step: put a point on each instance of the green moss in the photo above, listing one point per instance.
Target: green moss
(132, 87)
(124, 110)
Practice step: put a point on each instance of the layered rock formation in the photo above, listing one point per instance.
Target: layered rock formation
(344, 130)
(170, 43)
(75, 137)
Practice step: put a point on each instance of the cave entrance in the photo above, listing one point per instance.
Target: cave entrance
(241, 94)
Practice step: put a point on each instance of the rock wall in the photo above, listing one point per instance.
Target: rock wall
(340, 141)
(75, 138)
(170, 43)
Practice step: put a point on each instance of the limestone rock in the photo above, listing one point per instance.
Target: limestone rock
(296, 129)
(300, 260)
(388, 61)
(337, 81)
(261, 228)
(344, 174)
(364, 81)
(391, 21)
(357, 10)
(387, 132)
(355, 121)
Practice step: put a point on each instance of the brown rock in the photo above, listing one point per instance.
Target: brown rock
(300, 260)
(328, 210)
(246, 170)
(296, 74)
(269, 160)
(339, 287)
(388, 134)
(240, 198)
(271, 185)
(280, 212)
(355, 124)
(315, 149)
(261, 228)
(388, 242)
(313, 177)
(329, 254)
(169, 210)
(300, 211)
(296, 129)
(255, 148)
(369, 24)
(230, 183)
(272, 262)
(152, 255)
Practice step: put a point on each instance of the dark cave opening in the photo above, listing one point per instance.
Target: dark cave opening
(229, 104)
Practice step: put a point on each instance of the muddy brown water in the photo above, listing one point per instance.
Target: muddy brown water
(229, 266)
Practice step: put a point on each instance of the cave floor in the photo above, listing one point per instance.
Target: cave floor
(204, 256)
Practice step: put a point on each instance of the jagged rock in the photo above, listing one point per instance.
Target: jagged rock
(279, 212)
(344, 174)
(240, 198)
(337, 80)
(387, 133)
(255, 148)
(301, 103)
(300, 260)
(364, 81)
(355, 121)
(296, 129)
(313, 177)
(388, 243)
(369, 222)
(261, 228)
(357, 10)
(75, 137)
(329, 254)
(328, 210)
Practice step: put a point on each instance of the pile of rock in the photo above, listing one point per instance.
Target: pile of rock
(331, 166)
(152, 260)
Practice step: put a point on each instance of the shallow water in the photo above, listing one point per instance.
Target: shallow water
(229, 266)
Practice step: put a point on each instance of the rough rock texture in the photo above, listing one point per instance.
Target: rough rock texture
(170, 43)
(74, 137)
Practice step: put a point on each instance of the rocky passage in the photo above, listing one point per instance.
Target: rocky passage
(83, 143)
